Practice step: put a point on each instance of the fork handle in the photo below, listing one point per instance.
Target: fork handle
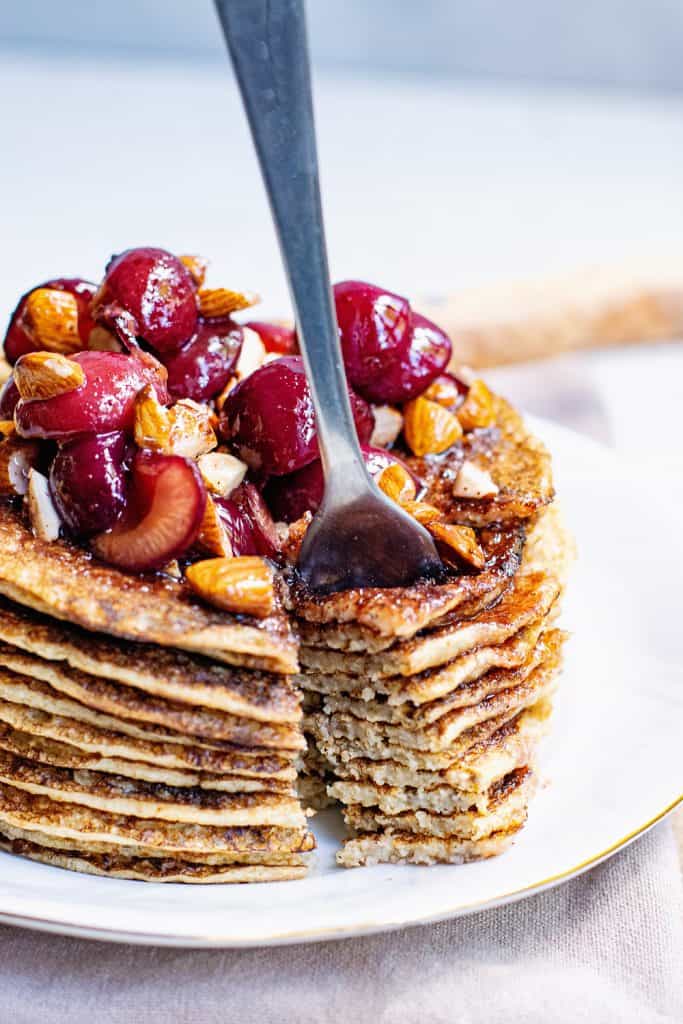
(269, 50)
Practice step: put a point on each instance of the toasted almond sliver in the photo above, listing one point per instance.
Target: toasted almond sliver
(422, 511)
(46, 375)
(428, 427)
(45, 521)
(213, 537)
(241, 585)
(221, 472)
(197, 267)
(51, 318)
(397, 483)
(478, 409)
(252, 354)
(462, 540)
(17, 458)
(473, 482)
(388, 425)
(222, 301)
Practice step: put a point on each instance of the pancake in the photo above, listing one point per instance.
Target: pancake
(111, 744)
(28, 811)
(161, 870)
(175, 675)
(64, 755)
(64, 581)
(408, 848)
(125, 702)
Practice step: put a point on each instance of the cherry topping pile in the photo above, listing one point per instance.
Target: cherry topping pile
(169, 431)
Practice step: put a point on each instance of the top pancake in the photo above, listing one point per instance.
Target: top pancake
(66, 582)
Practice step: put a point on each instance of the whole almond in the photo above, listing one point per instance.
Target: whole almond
(241, 585)
(215, 302)
(46, 375)
(460, 539)
(17, 458)
(51, 318)
(197, 267)
(397, 483)
(478, 409)
(428, 427)
(422, 511)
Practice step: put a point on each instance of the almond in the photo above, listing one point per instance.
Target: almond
(241, 585)
(478, 409)
(197, 267)
(102, 340)
(46, 375)
(473, 482)
(219, 400)
(51, 317)
(222, 301)
(428, 427)
(252, 354)
(213, 537)
(422, 511)
(462, 540)
(7, 428)
(152, 427)
(45, 521)
(221, 472)
(291, 537)
(445, 391)
(388, 425)
(184, 429)
(397, 483)
(17, 458)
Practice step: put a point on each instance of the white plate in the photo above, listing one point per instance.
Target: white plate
(612, 761)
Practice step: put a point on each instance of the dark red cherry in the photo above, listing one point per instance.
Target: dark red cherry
(19, 337)
(414, 370)
(288, 497)
(106, 401)
(238, 527)
(250, 501)
(202, 368)
(157, 290)
(275, 337)
(374, 326)
(9, 397)
(164, 511)
(88, 481)
(268, 418)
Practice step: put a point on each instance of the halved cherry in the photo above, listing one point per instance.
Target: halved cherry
(269, 421)
(88, 481)
(106, 401)
(157, 290)
(19, 337)
(202, 368)
(164, 512)
(374, 326)
(289, 497)
(275, 337)
(250, 501)
(237, 525)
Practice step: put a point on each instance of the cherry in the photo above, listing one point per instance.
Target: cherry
(426, 357)
(164, 512)
(202, 368)
(106, 401)
(275, 337)
(269, 421)
(250, 502)
(374, 327)
(238, 527)
(290, 496)
(88, 481)
(19, 338)
(157, 290)
(9, 397)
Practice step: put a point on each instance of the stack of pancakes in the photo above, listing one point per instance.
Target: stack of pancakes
(142, 734)
(425, 705)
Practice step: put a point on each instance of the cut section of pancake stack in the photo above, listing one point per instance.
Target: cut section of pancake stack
(139, 760)
(425, 706)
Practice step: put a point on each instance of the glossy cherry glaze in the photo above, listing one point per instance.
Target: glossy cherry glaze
(19, 338)
(88, 481)
(105, 402)
(374, 327)
(288, 497)
(157, 290)
(275, 337)
(203, 367)
(269, 421)
(163, 515)
(250, 502)
(237, 526)
(426, 357)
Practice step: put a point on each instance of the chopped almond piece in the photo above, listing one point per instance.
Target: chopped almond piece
(241, 585)
(215, 302)
(473, 482)
(422, 511)
(388, 425)
(252, 354)
(173, 570)
(462, 540)
(46, 375)
(51, 317)
(197, 267)
(184, 429)
(152, 427)
(292, 535)
(213, 537)
(397, 483)
(219, 401)
(45, 521)
(428, 427)
(444, 391)
(221, 472)
(478, 409)
(17, 458)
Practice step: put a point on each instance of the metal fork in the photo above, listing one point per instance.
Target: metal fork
(358, 538)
